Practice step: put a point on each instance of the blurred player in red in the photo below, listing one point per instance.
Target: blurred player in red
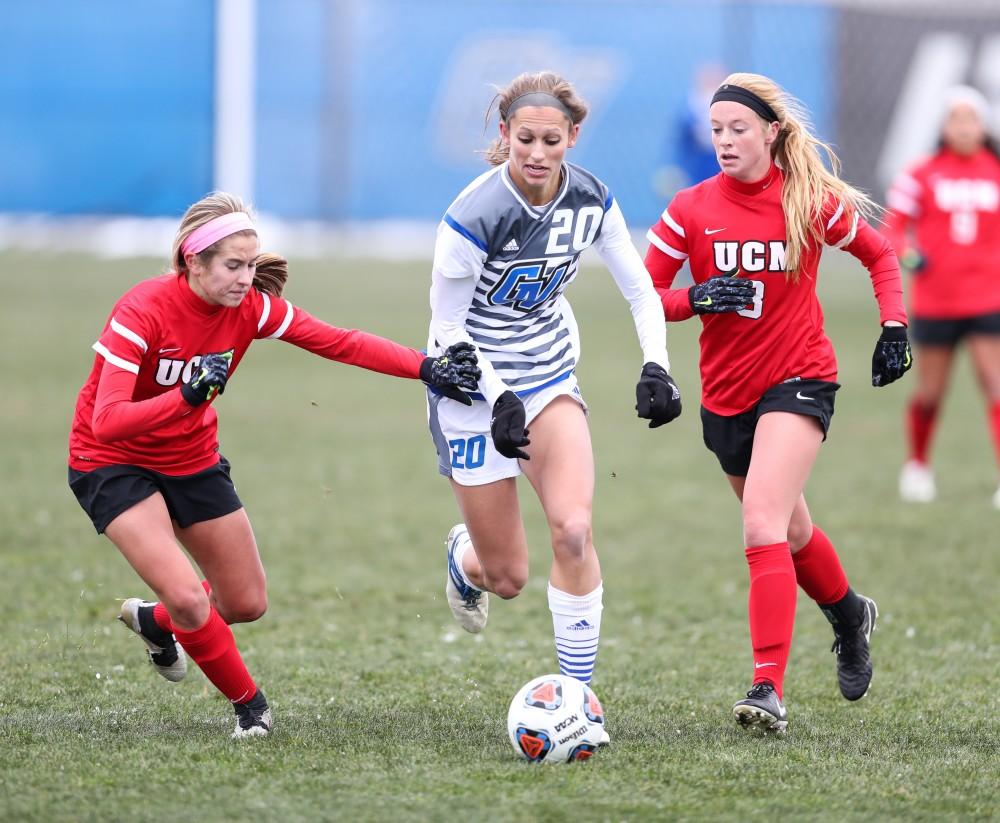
(753, 236)
(144, 457)
(944, 221)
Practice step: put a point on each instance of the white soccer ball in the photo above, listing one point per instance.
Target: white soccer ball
(555, 719)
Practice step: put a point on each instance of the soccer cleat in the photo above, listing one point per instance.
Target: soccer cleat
(762, 709)
(253, 719)
(605, 739)
(916, 483)
(996, 499)
(165, 653)
(469, 604)
(854, 665)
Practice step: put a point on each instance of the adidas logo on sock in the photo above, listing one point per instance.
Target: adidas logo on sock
(580, 625)
(512, 245)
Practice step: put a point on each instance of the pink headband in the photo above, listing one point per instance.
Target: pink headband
(215, 229)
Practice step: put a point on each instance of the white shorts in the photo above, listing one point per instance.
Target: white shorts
(462, 438)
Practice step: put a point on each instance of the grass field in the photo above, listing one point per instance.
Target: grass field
(384, 708)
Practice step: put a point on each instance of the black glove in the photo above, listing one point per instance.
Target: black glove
(721, 294)
(657, 398)
(208, 378)
(892, 357)
(452, 371)
(507, 426)
(912, 260)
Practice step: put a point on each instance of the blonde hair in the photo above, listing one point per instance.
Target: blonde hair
(808, 182)
(526, 83)
(208, 208)
(271, 274)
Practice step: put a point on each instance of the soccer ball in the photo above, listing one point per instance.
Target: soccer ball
(555, 719)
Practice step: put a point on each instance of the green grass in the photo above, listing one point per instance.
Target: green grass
(384, 708)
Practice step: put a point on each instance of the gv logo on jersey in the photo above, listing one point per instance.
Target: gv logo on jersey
(526, 284)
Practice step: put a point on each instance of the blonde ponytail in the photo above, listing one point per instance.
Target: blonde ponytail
(809, 184)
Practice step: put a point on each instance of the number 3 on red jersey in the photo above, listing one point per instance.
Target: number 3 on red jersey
(758, 301)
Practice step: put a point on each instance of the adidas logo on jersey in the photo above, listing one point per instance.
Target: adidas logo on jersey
(512, 245)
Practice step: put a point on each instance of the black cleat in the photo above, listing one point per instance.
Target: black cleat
(762, 709)
(854, 664)
(253, 719)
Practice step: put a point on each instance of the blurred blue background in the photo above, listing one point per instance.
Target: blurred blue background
(374, 109)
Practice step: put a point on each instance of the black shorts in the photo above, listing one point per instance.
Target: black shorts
(949, 331)
(106, 492)
(731, 437)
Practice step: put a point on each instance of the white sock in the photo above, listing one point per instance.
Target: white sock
(459, 555)
(576, 622)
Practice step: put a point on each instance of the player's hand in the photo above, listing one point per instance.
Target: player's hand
(912, 260)
(721, 294)
(892, 357)
(208, 378)
(453, 371)
(657, 398)
(507, 426)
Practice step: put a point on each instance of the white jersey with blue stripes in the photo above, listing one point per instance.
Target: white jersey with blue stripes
(501, 267)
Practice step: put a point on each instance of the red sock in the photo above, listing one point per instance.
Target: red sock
(213, 648)
(920, 421)
(772, 610)
(995, 427)
(818, 569)
(161, 616)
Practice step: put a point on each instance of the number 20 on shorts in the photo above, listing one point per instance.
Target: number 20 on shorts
(468, 453)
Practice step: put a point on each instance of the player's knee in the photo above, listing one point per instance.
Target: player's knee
(188, 606)
(762, 528)
(509, 582)
(798, 535)
(571, 537)
(244, 610)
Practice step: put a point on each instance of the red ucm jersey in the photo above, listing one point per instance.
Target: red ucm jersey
(131, 411)
(721, 226)
(951, 205)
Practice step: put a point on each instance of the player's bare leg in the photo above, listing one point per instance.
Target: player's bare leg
(487, 552)
(561, 470)
(226, 552)
(985, 353)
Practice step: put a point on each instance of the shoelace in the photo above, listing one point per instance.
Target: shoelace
(760, 690)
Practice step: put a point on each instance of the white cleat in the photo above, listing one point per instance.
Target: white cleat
(165, 653)
(469, 604)
(996, 499)
(916, 483)
(605, 739)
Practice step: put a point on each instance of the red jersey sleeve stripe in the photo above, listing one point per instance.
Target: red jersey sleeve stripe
(661, 244)
(265, 312)
(908, 184)
(128, 334)
(836, 216)
(673, 224)
(848, 238)
(901, 201)
(289, 316)
(114, 359)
